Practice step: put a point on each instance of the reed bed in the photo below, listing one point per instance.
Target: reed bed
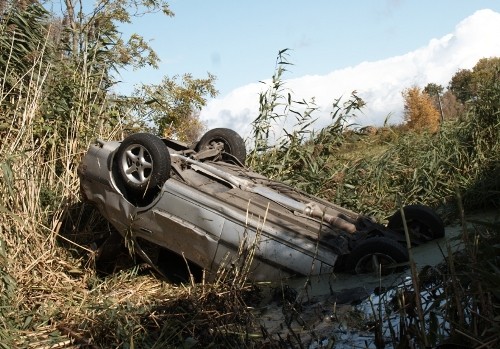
(370, 172)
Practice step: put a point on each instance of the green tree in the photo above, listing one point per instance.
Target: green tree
(452, 108)
(486, 89)
(419, 110)
(93, 37)
(436, 92)
(460, 85)
(433, 89)
(84, 30)
(467, 84)
(92, 51)
(478, 90)
(173, 105)
(78, 57)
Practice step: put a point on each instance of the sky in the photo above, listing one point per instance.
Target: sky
(376, 47)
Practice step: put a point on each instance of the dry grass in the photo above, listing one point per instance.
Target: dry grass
(50, 292)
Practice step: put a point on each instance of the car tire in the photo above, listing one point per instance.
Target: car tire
(369, 254)
(233, 143)
(423, 223)
(141, 166)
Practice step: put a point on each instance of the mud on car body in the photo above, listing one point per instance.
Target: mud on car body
(200, 202)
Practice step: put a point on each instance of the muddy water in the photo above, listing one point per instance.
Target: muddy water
(322, 319)
(429, 254)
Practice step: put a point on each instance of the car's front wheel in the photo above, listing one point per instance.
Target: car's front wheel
(141, 165)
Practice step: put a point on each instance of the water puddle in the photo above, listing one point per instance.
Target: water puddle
(333, 311)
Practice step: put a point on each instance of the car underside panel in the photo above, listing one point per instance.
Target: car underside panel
(272, 259)
(175, 234)
(279, 245)
(240, 199)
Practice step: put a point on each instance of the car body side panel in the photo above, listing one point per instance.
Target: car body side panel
(278, 245)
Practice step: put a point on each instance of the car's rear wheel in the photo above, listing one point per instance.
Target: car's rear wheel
(141, 166)
(376, 255)
(423, 223)
(232, 142)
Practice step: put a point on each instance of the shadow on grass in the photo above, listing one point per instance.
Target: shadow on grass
(88, 236)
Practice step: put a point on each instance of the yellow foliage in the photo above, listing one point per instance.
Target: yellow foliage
(419, 111)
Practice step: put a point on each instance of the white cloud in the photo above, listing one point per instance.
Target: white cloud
(379, 83)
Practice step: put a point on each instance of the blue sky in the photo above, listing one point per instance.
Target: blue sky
(238, 42)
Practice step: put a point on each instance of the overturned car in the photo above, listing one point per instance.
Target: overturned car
(200, 202)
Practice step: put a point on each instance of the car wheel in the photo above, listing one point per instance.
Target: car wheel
(422, 222)
(141, 166)
(232, 141)
(376, 253)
